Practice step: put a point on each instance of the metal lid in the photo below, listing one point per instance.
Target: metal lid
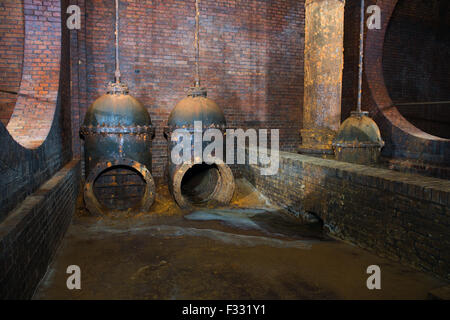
(196, 107)
(358, 131)
(117, 108)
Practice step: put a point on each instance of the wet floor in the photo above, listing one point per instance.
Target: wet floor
(249, 250)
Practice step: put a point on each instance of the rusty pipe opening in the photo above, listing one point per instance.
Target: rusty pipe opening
(202, 184)
(118, 186)
(199, 183)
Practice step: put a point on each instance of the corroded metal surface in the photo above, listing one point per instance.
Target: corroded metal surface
(117, 127)
(96, 207)
(214, 184)
(196, 107)
(137, 130)
(324, 31)
(358, 140)
(117, 108)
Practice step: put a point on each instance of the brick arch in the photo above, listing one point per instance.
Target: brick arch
(404, 140)
(34, 111)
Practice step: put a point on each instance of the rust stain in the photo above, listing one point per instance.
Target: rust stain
(324, 31)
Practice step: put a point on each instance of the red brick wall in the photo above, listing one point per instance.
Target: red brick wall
(33, 114)
(251, 61)
(23, 170)
(11, 54)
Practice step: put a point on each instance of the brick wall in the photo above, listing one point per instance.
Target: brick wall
(23, 170)
(35, 108)
(78, 79)
(30, 236)
(415, 62)
(37, 197)
(11, 54)
(251, 61)
(401, 216)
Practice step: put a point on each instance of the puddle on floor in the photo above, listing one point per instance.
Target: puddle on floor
(274, 222)
(249, 250)
(174, 232)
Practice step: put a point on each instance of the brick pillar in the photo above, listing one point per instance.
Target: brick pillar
(324, 60)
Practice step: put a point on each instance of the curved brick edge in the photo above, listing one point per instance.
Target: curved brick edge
(403, 140)
(30, 236)
(33, 114)
(23, 170)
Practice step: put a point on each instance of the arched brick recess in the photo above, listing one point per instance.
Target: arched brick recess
(415, 63)
(35, 107)
(23, 170)
(11, 55)
(403, 140)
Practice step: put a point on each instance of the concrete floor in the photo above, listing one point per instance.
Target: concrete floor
(234, 253)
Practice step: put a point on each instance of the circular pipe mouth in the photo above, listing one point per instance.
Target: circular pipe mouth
(203, 185)
(115, 176)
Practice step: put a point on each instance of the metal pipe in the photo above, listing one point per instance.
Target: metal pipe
(197, 43)
(117, 73)
(420, 103)
(361, 56)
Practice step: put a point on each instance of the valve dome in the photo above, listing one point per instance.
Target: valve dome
(358, 140)
(196, 107)
(117, 108)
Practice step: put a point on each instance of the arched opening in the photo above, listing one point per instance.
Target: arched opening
(37, 96)
(415, 63)
(200, 183)
(12, 35)
(120, 188)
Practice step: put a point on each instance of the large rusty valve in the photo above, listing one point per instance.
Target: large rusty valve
(118, 134)
(199, 184)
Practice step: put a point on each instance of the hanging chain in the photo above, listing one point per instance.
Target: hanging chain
(117, 73)
(361, 56)
(197, 44)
